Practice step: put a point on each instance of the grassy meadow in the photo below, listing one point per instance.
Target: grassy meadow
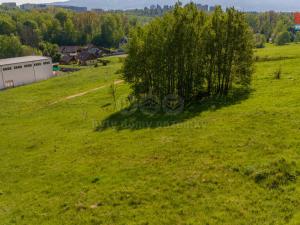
(232, 161)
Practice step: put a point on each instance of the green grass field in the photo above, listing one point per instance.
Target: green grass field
(232, 161)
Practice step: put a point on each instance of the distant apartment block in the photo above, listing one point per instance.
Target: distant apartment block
(73, 8)
(203, 7)
(212, 8)
(29, 6)
(97, 10)
(10, 5)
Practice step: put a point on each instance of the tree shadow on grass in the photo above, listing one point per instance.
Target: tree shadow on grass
(138, 120)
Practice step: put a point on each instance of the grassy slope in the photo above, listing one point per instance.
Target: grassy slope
(54, 167)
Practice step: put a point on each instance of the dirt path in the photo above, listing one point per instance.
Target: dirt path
(85, 92)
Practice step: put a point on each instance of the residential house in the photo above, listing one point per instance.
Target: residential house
(9, 5)
(70, 50)
(67, 60)
(86, 58)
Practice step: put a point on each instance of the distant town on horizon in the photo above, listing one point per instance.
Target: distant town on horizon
(206, 5)
(30, 6)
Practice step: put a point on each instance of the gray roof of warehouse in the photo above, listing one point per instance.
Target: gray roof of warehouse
(24, 59)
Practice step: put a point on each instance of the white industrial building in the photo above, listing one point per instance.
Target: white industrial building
(24, 70)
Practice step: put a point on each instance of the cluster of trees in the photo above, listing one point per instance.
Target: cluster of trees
(272, 27)
(188, 53)
(10, 46)
(38, 28)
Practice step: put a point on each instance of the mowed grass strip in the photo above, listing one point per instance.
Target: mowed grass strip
(228, 162)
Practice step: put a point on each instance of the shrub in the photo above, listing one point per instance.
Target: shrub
(277, 73)
(51, 50)
(283, 38)
(28, 50)
(260, 40)
(10, 46)
(297, 37)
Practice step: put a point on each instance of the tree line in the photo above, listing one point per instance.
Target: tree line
(45, 30)
(272, 27)
(188, 53)
(42, 31)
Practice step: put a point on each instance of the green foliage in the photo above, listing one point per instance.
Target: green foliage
(253, 21)
(283, 38)
(187, 52)
(50, 50)
(260, 40)
(10, 46)
(28, 50)
(111, 32)
(270, 24)
(7, 25)
(280, 27)
(68, 35)
(30, 33)
(62, 27)
(297, 37)
(62, 17)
